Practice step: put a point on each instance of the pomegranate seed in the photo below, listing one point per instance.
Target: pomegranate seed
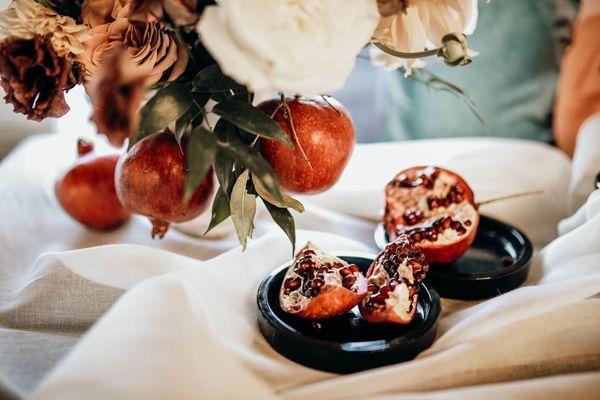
(415, 265)
(507, 261)
(431, 235)
(349, 281)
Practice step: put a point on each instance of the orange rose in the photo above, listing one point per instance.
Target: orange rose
(155, 51)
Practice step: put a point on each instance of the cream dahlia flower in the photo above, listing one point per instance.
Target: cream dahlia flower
(26, 18)
(421, 24)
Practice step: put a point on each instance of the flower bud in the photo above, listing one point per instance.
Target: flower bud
(455, 50)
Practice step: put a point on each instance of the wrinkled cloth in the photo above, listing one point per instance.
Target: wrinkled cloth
(116, 315)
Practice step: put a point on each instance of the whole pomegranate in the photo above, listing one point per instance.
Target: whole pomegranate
(323, 138)
(150, 179)
(87, 191)
(318, 285)
(436, 210)
(393, 281)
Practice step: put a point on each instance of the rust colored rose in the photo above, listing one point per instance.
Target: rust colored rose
(181, 12)
(34, 77)
(116, 92)
(98, 12)
(155, 52)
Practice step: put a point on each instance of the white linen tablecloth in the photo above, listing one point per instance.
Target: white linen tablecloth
(181, 327)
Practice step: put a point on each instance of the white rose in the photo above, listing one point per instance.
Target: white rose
(293, 46)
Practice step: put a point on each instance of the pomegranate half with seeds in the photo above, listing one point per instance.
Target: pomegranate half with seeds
(318, 285)
(393, 281)
(435, 208)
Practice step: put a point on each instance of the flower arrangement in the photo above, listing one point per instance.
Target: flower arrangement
(153, 66)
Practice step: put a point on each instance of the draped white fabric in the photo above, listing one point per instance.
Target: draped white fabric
(186, 328)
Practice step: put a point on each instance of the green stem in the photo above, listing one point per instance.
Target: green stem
(401, 54)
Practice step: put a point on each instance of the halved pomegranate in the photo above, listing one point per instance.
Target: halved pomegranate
(436, 210)
(393, 281)
(318, 285)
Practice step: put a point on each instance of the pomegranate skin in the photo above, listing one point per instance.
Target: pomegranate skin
(325, 133)
(87, 193)
(150, 181)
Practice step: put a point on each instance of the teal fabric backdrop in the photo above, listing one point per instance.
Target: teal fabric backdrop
(512, 81)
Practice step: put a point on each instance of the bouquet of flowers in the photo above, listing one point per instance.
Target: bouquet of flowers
(170, 67)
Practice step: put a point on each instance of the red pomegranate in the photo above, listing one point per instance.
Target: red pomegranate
(393, 281)
(318, 285)
(150, 180)
(323, 138)
(435, 208)
(87, 191)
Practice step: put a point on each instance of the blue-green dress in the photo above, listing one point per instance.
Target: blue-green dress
(512, 81)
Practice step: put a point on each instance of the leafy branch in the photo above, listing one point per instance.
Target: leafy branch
(228, 148)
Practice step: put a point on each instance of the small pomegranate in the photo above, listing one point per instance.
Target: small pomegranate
(436, 210)
(318, 285)
(87, 191)
(323, 138)
(393, 281)
(150, 180)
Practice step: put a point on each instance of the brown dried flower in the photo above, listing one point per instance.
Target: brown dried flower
(181, 12)
(34, 77)
(155, 51)
(116, 92)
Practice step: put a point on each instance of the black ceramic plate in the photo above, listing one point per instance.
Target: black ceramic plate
(345, 343)
(497, 262)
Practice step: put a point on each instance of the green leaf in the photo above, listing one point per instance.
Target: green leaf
(285, 202)
(212, 79)
(252, 160)
(201, 152)
(284, 219)
(249, 118)
(220, 96)
(184, 121)
(200, 99)
(224, 171)
(166, 106)
(220, 209)
(243, 208)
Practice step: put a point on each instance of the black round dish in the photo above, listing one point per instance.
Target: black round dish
(598, 181)
(345, 343)
(497, 262)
